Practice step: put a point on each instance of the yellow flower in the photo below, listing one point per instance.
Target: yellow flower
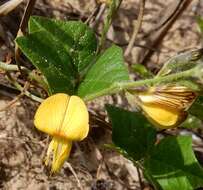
(66, 119)
(164, 106)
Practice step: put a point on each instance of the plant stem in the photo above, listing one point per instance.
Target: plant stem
(8, 67)
(7, 7)
(107, 23)
(31, 75)
(161, 79)
(20, 88)
(26, 15)
(117, 87)
(22, 29)
(137, 26)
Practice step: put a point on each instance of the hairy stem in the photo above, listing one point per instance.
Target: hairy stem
(117, 87)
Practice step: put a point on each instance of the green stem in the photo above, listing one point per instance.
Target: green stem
(117, 87)
(20, 88)
(27, 93)
(8, 67)
(31, 75)
(161, 79)
(107, 23)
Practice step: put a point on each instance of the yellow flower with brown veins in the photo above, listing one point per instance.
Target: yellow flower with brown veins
(66, 119)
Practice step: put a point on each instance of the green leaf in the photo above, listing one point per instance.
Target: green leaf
(173, 164)
(131, 132)
(61, 50)
(74, 36)
(105, 74)
(51, 59)
(197, 108)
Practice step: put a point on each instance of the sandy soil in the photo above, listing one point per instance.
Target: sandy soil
(22, 147)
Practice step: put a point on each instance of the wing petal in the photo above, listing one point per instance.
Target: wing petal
(171, 97)
(163, 118)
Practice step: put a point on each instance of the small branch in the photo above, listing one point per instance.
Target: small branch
(9, 6)
(137, 26)
(98, 16)
(20, 88)
(93, 14)
(75, 175)
(31, 75)
(158, 36)
(22, 29)
(8, 67)
(26, 15)
(168, 14)
(140, 178)
(16, 98)
(114, 5)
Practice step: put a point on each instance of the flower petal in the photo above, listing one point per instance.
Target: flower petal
(59, 149)
(50, 114)
(75, 125)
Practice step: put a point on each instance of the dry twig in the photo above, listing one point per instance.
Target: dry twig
(140, 178)
(137, 26)
(99, 15)
(16, 98)
(75, 175)
(156, 37)
(20, 88)
(9, 6)
(22, 29)
(93, 15)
